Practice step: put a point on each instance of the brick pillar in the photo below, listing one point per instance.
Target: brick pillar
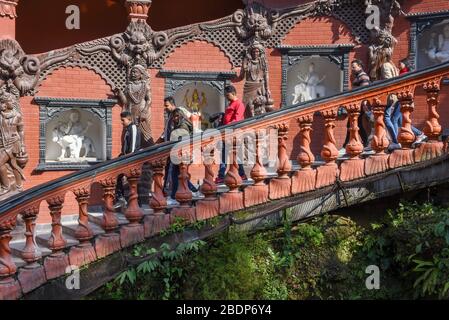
(8, 17)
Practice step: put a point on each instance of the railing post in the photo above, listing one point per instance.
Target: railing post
(133, 232)
(304, 180)
(109, 242)
(183, 194)
(83, 232)
(257, 193)
(327, 173)
(232, 200)
(9, 287)
(281, 186)
(159, 220)
(110, 222)
(84, 253)
(432, 129)
(378, 162)
(32, 275)
(56, 264)
(56, 242)
(209, 206)
(406, 137)
(133, 213)
(354, 168)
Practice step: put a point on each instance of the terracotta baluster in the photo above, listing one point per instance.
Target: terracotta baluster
(183, 194)
(280, 187)
(158, 202)
(32, 275)
(209, 187)
(304, 180)
(233, 199)
(110, 222)
(354, 168)
(7, 265)
(109, 242)
(84, 253)
(9, 287)
(133, 213)
(378, 162)
(83, 232)
(30, 252)
(208, 207)
(432, 129)
(232, 178)
(259, 172)
(257, 193)
(134, 232)
(158, 221)
(56, 242)
(305, 157)
(406, 137)
(327, 174)
(355, 146)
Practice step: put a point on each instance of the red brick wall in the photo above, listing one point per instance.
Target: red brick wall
(62, 83)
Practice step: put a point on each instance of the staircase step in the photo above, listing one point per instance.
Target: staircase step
(70, 229)
(17, 248)
(97, 217)
(42, 240)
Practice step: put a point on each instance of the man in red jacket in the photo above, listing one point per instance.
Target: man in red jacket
(234, 112)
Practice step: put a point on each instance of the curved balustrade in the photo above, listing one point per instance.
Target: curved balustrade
(116, 234)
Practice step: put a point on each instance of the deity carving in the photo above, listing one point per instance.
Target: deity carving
(13, 154)
(309, 87)
(438, 50)
(72, 136)
(255, 73)
(255, 23)
(382, 38)
(196, 106)
(136, 98)
(18, 72)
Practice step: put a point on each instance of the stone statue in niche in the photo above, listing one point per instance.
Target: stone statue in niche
(438, 50)
(255, 73)
(13, 155)
(196, 106)
(310, 86)
(71, 136)
(137, 99)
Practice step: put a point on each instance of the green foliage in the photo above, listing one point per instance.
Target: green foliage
(325, 258)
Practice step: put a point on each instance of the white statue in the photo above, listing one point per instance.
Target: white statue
(72, 136)
(439, 48)
(309, 86)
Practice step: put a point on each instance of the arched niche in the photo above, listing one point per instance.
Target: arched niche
(182, 85)
(71, 127)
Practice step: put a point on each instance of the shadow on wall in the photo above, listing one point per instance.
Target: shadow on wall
(101, 18)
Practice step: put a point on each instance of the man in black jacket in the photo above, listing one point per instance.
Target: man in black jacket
(130, 143)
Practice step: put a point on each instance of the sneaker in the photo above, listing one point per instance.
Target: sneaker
(219, 181)
(341, 152)
(394, 146)
(120, 203)
(420, 139)
(197, 194)
(172, 202)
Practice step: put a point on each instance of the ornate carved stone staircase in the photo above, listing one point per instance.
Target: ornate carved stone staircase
(34, 258)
